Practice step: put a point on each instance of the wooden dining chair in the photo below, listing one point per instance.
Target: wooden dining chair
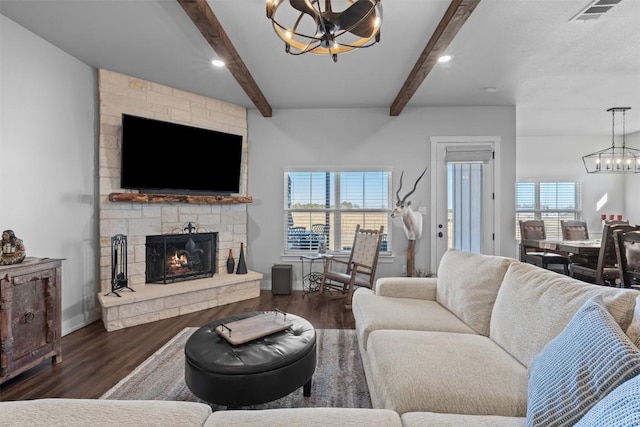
(575, 230)
(606, 271)
(628, 255)
(359, 270)
(534, 230)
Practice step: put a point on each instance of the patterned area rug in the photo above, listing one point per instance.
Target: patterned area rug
(338, 381)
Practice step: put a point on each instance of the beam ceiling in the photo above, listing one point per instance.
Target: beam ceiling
(208, 24)
(205, 20)
(452, 21)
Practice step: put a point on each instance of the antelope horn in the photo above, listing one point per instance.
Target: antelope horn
(415, 185)
(398, 192)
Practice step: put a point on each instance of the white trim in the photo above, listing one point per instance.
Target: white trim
(497, 178)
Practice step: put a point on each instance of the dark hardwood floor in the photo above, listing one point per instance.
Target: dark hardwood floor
(94, 360)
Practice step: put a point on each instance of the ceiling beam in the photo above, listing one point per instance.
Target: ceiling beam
(452, 21)
(208, 24)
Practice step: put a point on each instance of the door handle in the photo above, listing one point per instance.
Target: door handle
(440, 234)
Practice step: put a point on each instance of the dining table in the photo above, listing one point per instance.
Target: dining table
(587, 249)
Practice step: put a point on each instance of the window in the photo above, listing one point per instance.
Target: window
(551, 202)
(324, 207)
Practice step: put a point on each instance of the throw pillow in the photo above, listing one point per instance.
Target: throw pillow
(586, 361)
(620, 408)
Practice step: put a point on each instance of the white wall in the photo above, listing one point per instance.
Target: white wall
(47, 176)
(560, 158)
(363, 138)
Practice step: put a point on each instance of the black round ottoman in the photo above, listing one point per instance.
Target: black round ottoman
(256, 372)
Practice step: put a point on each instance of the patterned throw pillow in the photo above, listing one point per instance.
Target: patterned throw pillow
(620, 408)
(590, 358)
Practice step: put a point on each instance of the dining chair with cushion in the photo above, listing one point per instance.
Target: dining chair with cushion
(605, 271)
(359, 270)
(575, 230)
(628, 254)
(534, 230)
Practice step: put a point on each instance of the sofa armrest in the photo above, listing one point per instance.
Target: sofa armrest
(407, 287)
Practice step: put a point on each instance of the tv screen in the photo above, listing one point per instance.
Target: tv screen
(165, 157)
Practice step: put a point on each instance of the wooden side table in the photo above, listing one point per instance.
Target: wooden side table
(30, 315)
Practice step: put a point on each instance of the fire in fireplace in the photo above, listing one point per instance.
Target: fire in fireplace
(177, 257)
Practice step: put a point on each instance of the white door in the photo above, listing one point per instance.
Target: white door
(463, 196)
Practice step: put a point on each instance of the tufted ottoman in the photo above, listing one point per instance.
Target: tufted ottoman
(256, 372)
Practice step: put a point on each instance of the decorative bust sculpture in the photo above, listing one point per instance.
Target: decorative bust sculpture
(12, 249)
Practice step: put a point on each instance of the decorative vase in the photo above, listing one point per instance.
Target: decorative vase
(231, 263)
(242, 265)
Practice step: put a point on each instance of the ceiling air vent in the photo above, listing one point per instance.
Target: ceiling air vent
(595, 10)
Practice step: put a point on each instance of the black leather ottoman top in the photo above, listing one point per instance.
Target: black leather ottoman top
(255, 372)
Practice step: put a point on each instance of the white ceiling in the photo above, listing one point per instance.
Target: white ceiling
(561, 75)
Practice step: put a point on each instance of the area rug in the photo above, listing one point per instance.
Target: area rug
(338, 381)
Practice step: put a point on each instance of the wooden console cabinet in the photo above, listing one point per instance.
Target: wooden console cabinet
(30, 318)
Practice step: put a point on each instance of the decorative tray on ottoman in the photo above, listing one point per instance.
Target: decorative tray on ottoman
(251, 328)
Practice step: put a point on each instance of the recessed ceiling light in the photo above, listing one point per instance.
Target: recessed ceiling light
(217, 63)
(445, 58)
(490, 89)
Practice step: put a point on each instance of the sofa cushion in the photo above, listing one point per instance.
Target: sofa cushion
(416, 371)
(621, 407)
(348, 417)
(107, 413)
(433, 419)
(374, 312)
(633, 332)
(468, 284)
(534, 305)
(590, 358)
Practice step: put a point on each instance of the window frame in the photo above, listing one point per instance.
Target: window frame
(337, 210)
(552, 225)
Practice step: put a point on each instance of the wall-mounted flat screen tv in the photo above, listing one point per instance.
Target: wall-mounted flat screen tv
(163, 157)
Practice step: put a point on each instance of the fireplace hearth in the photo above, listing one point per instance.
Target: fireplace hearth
(178, 257)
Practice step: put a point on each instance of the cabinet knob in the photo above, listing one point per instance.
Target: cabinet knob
(29, 316)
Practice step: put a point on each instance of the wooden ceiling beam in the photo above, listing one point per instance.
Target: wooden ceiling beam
(452, 21)
(208, 24)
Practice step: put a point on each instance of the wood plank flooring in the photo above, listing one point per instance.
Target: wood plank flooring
(94, 360)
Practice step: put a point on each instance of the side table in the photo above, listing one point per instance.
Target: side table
(311, 280)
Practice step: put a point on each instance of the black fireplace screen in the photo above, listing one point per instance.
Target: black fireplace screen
(176, 257)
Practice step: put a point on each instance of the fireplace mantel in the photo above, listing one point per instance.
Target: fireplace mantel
(177, 198)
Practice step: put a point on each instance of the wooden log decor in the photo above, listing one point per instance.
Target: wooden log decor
(178, 198)
(411, 258)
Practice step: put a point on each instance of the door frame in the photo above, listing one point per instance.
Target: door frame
(434, 142)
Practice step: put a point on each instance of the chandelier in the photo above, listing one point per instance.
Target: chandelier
(615, 159)
(305, 26)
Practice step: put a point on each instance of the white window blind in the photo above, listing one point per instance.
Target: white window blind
(324, 207)
(551, 202)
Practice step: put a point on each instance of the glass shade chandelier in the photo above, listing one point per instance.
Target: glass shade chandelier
(615, 159)
(306, 26)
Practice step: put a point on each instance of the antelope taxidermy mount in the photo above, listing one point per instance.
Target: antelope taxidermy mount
(411, 221)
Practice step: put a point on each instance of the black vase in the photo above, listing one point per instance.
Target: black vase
(242, 265)
(231, 263)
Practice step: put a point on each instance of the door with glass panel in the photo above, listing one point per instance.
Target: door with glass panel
(463, 195)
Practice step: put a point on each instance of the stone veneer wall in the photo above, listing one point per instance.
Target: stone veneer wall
(119, 94)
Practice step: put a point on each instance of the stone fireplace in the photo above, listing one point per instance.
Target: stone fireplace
(138, 216)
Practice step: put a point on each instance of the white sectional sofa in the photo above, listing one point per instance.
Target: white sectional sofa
(489, 342)
(459, 349)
